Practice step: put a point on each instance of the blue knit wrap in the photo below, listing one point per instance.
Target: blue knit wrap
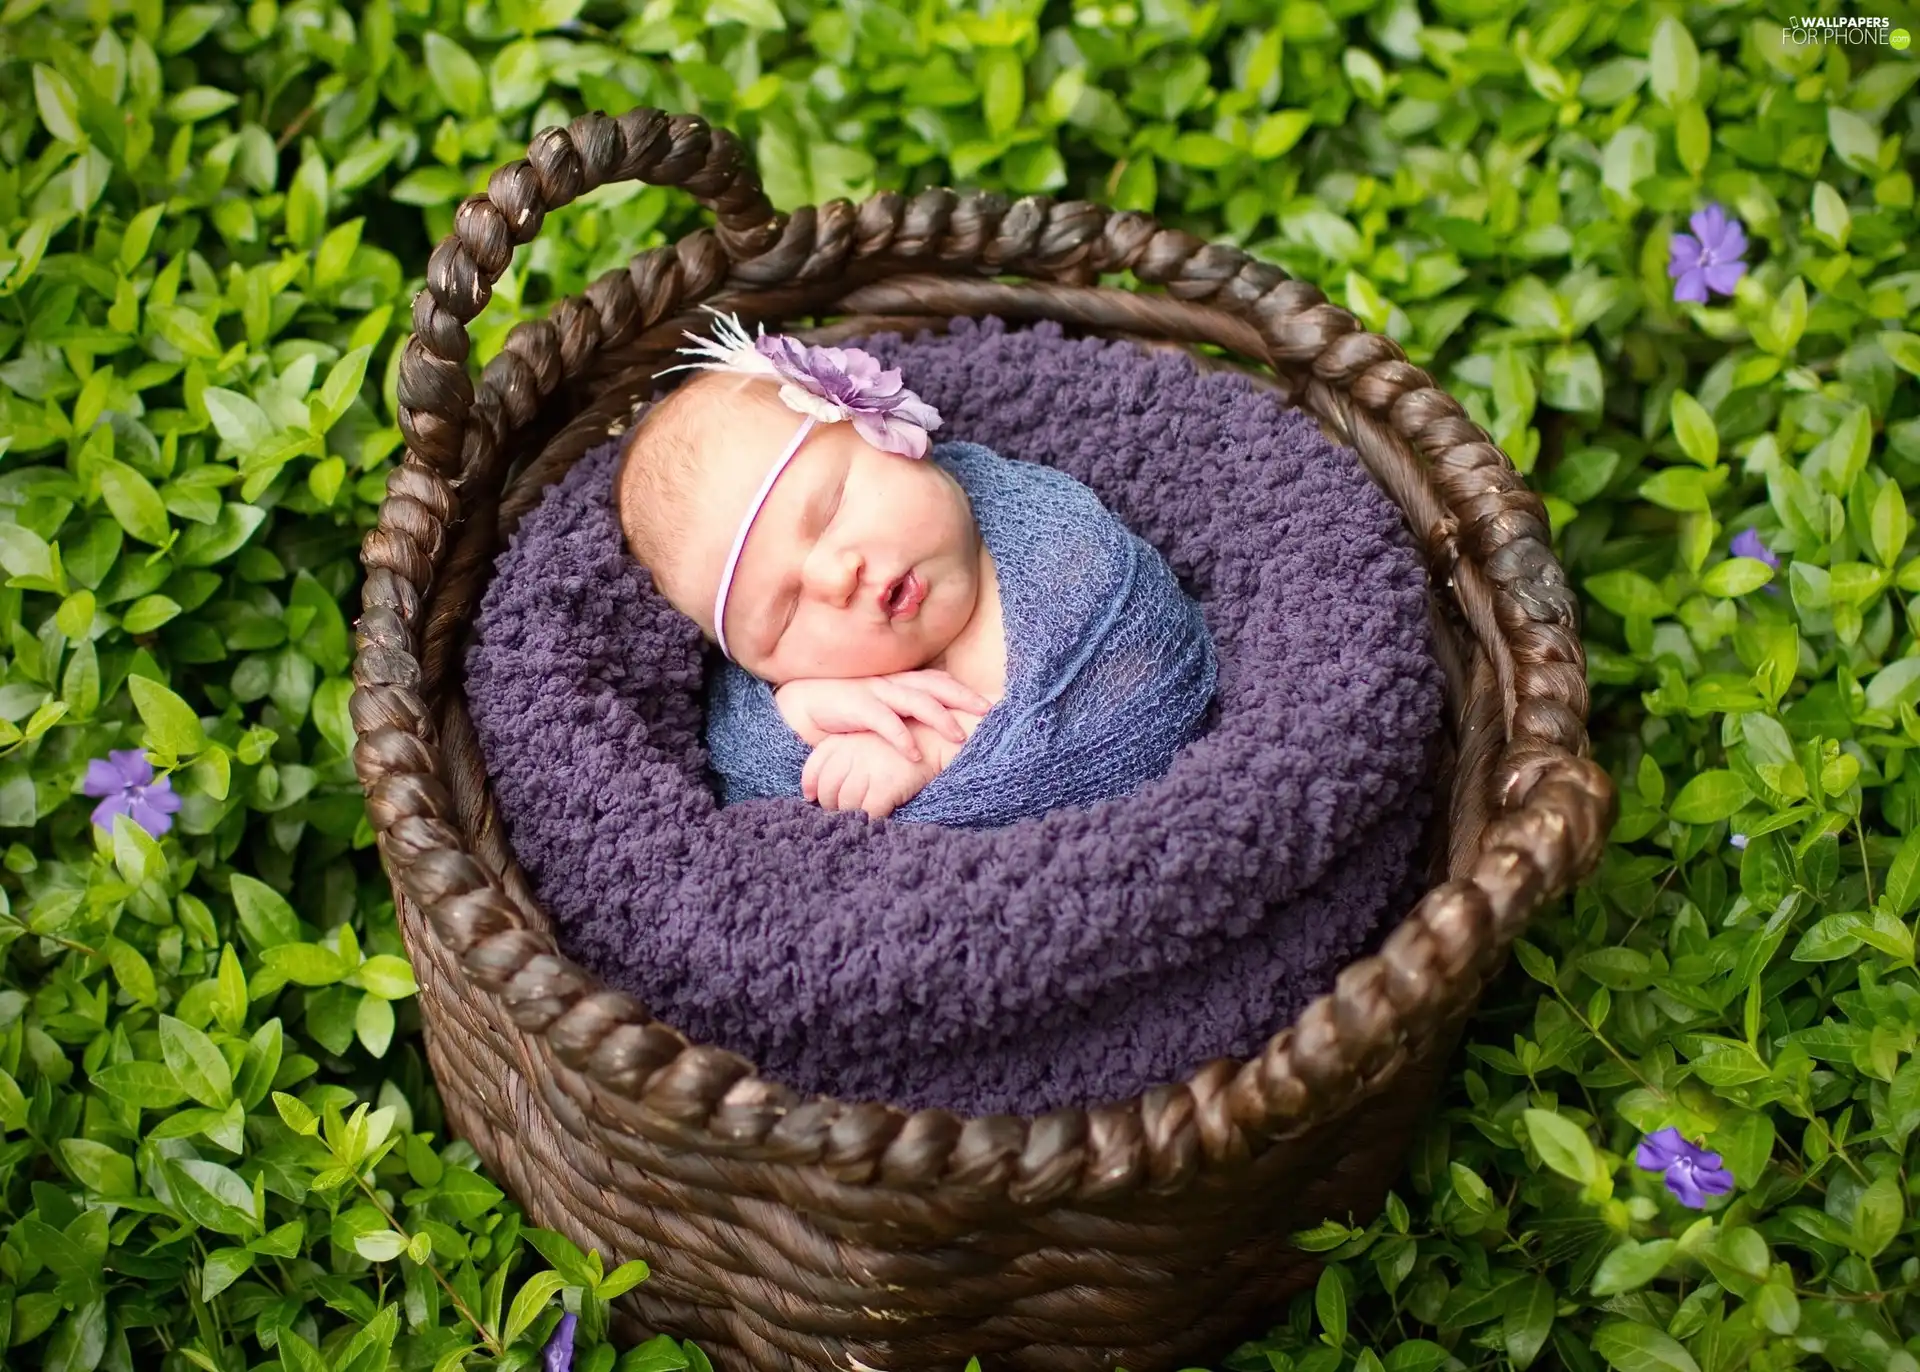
(1109, 665)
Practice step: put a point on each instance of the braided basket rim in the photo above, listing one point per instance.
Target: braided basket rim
(1548, 815)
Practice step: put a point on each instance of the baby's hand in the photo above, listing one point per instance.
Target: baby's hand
(819, 707)
(862, 772)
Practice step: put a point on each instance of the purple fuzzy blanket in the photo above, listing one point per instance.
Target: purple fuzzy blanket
(1069, 960)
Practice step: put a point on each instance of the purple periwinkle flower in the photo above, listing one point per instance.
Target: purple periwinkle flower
(1711, 258)
(1737, 840)
(1747, 543)
(124, 781)
(558, 1354)
(1691, 1172)
(826, 384)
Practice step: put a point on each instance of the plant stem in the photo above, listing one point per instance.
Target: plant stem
(493, 1345)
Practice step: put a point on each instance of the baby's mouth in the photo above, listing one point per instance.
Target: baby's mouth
(903, 596)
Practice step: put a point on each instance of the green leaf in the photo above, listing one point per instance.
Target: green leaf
(1711, 796)
(1693, 426)
(1527, 1321)
(1878, 1215)
(295, 1113)
(1903, 1103)
(80, 1341)
(1416, 1355)
(239, 420)
(1629, 1266)
(1767, 739)
(1562, 1145)
(264, 914)
(1538, 965)
(755, 14)
(133, 971)
(260, 1064)
(1832, 220)
(1844, 455)
(1330, 1304)
(1631, 1347)
(206, 545)
(564, 1256)
(197, 1065)
(532, 1298)
(1777, 1308)
(1003, 89)
(212, 1196)
(1789, 316)
(149, 1085)
(1855, 141)
(59, 107)
(386, 976)
(342, 385)
(1889, 524)
(1682, 489)
(149, 613)
(23, 553)
(455, 75)
(1629, 593)
(455, 1357)
(172, 726)
(139, 234)
(1829, 939)
(622, 1280)
(1737, 576)
(382, 1245)
(1279, 132)
(189, 331)
(1903, 877)
(1904, 349)
(1572, 380)
(466, 1194)
(1323, 1237)
(1894, 684)
(537, 15)
(1674, 63)
(223, 1267)
(306, 964)
(102, 1169)
(133, 500)
(80, 683)
(297, 1355)
(370, 1349)
(373, 1023)
(200, 102)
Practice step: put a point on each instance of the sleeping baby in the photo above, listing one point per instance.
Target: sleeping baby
(936, 633)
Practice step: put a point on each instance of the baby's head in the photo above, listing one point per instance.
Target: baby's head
(859, 563)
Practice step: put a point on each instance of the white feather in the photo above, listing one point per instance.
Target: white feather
(729, 350)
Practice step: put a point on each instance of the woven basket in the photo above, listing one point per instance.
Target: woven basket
(788, 1232)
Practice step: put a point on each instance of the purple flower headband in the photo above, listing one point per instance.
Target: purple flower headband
(823, 386)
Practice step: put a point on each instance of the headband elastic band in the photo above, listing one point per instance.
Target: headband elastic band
(740, 538)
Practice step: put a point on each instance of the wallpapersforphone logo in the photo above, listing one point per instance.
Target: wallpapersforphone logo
(1855, 32)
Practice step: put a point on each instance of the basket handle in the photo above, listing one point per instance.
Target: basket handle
(435, 392)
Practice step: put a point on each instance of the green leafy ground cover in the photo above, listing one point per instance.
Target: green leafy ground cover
(221, 1149)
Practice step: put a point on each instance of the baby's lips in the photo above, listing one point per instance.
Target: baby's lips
(909, 589)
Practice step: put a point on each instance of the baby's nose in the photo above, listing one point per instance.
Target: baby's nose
(837, 576)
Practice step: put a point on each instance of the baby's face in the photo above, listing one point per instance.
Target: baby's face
(860, 563)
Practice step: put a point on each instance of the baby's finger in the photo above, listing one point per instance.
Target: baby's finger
(945, 687)
(878, 718)
(833, 780)
(810, 776)
(921, 706)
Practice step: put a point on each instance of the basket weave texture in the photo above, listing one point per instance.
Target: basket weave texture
(788, 1232)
